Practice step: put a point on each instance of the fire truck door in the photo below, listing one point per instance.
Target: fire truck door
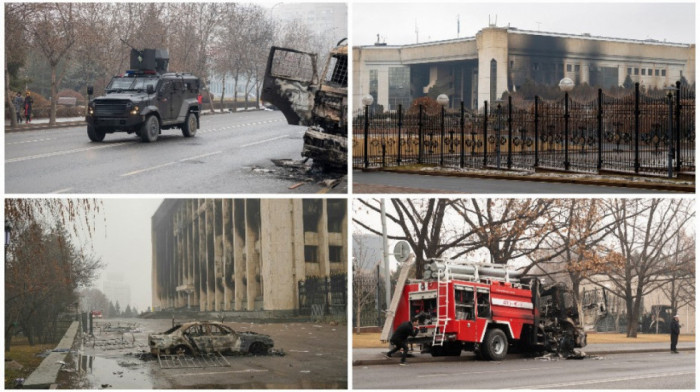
(465, 313)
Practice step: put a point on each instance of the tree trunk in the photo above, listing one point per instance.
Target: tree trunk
(223, 90)
(10, 103)
(8, 335)
(235, 94)
(358, 322)
(54, 96)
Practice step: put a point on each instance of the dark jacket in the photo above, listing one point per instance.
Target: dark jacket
(403, 332)
(675, 327)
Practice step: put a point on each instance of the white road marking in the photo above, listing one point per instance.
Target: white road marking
(604, 380)
(64, 190)
(169, 164)
(231, 371)
(482, 372)
(66, 152)
(264, 141)
(30, 141)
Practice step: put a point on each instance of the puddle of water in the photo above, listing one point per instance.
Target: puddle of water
(117, 373)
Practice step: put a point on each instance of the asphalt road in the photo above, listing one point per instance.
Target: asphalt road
(383, 182)
(620, 371)
(231, 153)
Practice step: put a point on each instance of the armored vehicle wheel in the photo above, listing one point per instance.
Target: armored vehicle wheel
(189, 128)
(150, 129)
(495, 345)
(95, 135)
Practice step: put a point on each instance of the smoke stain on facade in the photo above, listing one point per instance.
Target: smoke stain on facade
(221, 255)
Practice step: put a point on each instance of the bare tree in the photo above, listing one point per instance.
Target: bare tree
(680, 288)
(364, 278)
(507, 228)
(641, 252)
(421, 222)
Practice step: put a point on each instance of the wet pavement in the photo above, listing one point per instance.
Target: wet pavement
(305, 355)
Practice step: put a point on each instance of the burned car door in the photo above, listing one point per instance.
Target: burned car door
(290, 83)
(211, 338)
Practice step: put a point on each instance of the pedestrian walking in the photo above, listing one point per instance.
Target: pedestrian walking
(18, 102)
(400, 340)
(28, 102)
(675, 331)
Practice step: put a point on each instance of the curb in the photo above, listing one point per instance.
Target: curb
(624, 184)
(39, 127)
(384, 361)
(47, 372)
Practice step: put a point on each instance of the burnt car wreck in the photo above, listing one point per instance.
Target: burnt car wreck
(293, 85)
(200, 338)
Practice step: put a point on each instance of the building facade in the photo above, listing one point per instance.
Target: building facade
(500, 59)
(244, 254)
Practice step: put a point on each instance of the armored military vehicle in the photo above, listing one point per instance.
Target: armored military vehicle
(145, 100)
(293, 85)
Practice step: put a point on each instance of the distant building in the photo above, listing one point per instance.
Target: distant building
(500, 59)
(244, 254)
(117, 290)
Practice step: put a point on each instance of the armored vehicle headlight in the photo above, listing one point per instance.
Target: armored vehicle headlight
(91, 110)
(135, 111)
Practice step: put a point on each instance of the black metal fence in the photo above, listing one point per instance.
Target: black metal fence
(324, 296)
(638, 133)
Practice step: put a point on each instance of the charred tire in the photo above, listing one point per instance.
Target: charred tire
(181, 350)
(258, 348)
(495, 345)
(189, 128)
(150, 129)
(95, 134)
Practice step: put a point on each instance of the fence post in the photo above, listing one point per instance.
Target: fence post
(669, 134)
(678, 126)
(636, 128)
(537, 131)
(510, 132)
(486, 125)
(420, 133)
(442, 135)
(398, 158)
(461, 129)
(366, 136)
(600, 129)
(566, 131)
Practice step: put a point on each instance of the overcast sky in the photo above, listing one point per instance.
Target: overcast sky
(123, 242)
(396, 22)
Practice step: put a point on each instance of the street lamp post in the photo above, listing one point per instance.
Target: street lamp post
(443, 100)
(367, 101)
(669, 130)
(566, 85)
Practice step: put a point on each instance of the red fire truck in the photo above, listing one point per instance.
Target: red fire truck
(485, 308)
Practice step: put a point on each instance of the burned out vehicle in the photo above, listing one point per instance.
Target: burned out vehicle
(293, 85)
(145, 100)
(487, 309)
(208, 337)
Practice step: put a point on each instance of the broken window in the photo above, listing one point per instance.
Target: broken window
(337, 72)
(482, 303)
(464, 303)
(311, 253)
(335, 254)
(293, 65)
(312, 214)
(336, 214)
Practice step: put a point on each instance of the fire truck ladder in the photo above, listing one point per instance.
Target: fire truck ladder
(443, 302)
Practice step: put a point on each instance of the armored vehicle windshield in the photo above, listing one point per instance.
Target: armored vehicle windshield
(130, 82)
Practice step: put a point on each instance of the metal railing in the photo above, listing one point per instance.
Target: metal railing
(650, 133)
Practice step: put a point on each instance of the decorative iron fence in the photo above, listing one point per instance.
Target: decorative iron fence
(638, 133)
(324, 296)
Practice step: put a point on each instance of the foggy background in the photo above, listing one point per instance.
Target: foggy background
(396, 23)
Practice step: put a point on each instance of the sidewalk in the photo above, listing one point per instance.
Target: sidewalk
(47, 372)
(374, 356)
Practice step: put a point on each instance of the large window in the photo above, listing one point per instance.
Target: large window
(399, 87)
(373, 84)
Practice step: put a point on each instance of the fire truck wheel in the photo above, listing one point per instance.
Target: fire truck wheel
(495, 345)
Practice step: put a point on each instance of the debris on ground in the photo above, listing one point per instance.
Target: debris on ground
(297, 185)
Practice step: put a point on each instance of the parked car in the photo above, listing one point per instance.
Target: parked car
(202, 337)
